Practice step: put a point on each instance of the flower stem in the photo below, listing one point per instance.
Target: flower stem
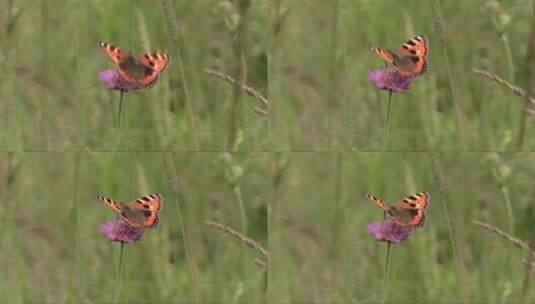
(121, 99)
(387, 270)
(387, 121)
(120, 109)
(119, 276)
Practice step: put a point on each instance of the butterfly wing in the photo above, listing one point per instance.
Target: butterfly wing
(151, 202)
(378, 202)
(143, 212)
(116, 54)
(139, 218)
(116, 206)
(412, 56)
(387, 55)
(410, 211)
(415, 201)
(155, 64)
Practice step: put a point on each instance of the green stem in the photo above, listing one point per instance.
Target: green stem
(387, 121)
(121, 99)
(510, 214)
(440, 179)
(387, 270)
(119, 276)
(509, 56)
(118, 140)
(243, 214)
(456, 101)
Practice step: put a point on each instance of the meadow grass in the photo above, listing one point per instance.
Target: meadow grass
(320, 56)
(53, 252)
(324, 254)
(53, 100)
(282, 86)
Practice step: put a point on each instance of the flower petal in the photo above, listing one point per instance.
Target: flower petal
(388, 231)
(119, 231)
(114, 81)
(389, 79)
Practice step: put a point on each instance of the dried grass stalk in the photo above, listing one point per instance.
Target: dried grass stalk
(517, 242)
(517, 90)
(245, 88)
(248, 241)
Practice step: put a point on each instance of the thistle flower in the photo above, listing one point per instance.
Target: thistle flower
(388, 231)
(114, 81)
(120, 231)
(389, 79)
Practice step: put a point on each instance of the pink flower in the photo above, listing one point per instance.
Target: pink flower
(114, 81)
(388, 231)
(389, 79)
(120, 231)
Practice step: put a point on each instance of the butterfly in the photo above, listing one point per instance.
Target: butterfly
(410, 59)
(409, 212)
(141, 213)
(142, 70)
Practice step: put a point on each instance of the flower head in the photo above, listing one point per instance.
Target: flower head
(388, 231)
(120, 231)
(114, 81)
(389, 79)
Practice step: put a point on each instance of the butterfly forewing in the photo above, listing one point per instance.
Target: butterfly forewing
(113, 52)
(117, 206)
(151, 202)
(378, 202)
(415, 201)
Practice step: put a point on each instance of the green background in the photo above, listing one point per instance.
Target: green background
(52, 250)
(324, 254)
(53, 100)
(320, 57)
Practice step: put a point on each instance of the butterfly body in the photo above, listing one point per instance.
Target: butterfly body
(409, 212)
(410, 59)
(142, 69)
(141, 213)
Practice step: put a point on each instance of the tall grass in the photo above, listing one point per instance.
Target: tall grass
(447, 260)
(55, 252)
(54, 100)
(448, 109)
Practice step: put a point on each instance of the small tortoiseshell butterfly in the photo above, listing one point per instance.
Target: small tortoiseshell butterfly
(409, 212)
(141, 213)
(142, 70)
(410, 59)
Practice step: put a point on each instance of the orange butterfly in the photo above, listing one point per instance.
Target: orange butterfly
(141, 213)
(409, 212)
(142, 70)
(410, 59)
